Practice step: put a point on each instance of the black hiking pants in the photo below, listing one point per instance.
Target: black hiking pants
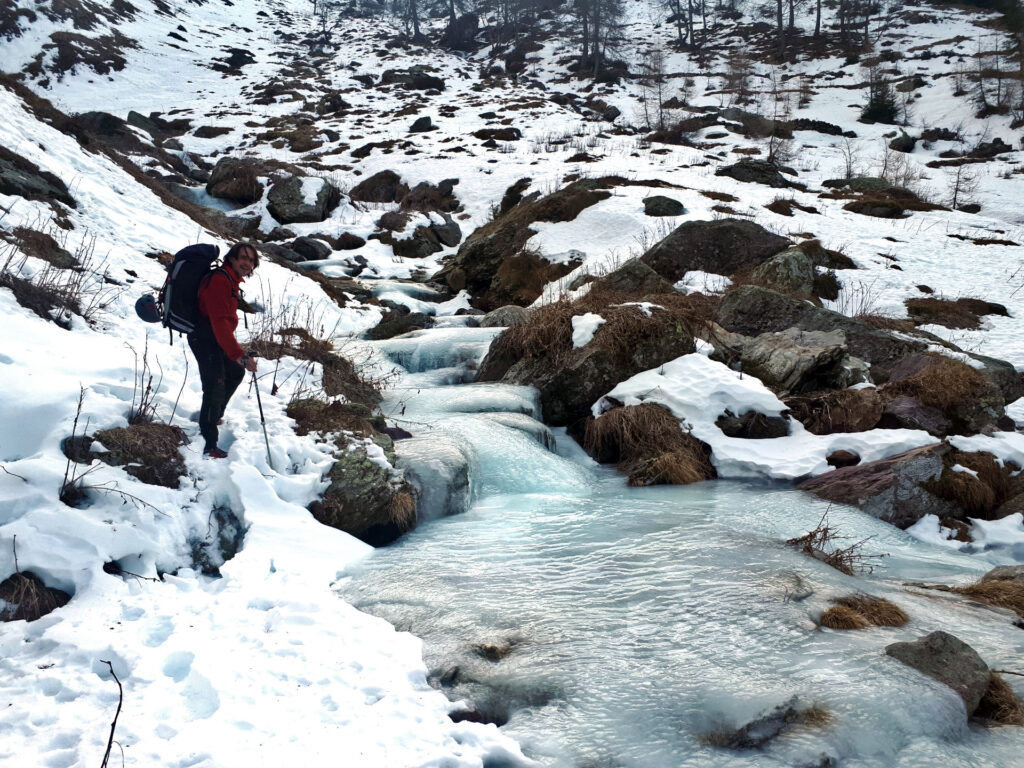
(220, 377)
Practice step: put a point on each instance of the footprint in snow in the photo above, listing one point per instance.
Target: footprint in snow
(178, 665)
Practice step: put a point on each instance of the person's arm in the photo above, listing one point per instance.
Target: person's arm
(217, 304)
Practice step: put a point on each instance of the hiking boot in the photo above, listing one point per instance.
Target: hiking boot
(215, 453)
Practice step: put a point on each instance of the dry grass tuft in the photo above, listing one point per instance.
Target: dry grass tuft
(944, 384)
(841, 617)
(877, 611)
(27, 598)
(978, 496)
(1000, 704)
(150, 450)
(548, 332)
(402, 510)
(1002, 594)
(648, 444)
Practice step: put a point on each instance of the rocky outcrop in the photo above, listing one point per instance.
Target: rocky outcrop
(757, 172)
(840, 410)
(302, 199)
(894, 489)
(790, 272)
(795, 360)
(365, 497)
(723, 247)
(399, 319)
(948, 659)
(493, 263)
(636, 279)
(382, 187)
(235, 179)
(24, 178)
(504, 317)
(412, 79)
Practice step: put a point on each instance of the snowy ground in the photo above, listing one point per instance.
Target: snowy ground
(266, 664)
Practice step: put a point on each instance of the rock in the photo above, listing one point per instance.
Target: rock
(611, 114)
(310, 249)
(412, 79)
(790, 272)
(382, 187)
(756, 172)
(636, 279)
(498, 134)
(751, 310)
(859, 184)
(722, 247)
(448, 232)
(281, 252)
(568, 387)
(493, 263)
(514, 195)
(806, 124)
(1005, 573)
(762, 730)
(890, 489)
(422, 125)
(331, 104)
(24, 178)
(426, 197)
(842, 459)
(951, 661)
(841, 410)
(347, 241)
(504, 317)
(991, 148)
(364, 498)
(903, 143)
(397, 320)
(795, 360)
(752, 425)
(659, 205)
(302, 199)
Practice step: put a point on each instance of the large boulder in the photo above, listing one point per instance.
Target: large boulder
(571, 379)
(302, 199)
(235, 179)
(790, 272)
(948, 659)
(756, 172)
(636, 279)
(894, 489)
(905, 412)
(382, 187)
(21, 177)
(495, 265)
(659, 205)
(795, 360)
(414, 78)
(505, 317)
(365, 498)
(723, 247)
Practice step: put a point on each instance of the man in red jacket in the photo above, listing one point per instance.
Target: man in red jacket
(222, 362)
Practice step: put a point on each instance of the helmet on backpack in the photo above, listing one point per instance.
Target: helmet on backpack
(146, 308)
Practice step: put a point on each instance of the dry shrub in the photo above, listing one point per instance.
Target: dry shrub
(394, 221)
(962, 313)
(150, 451)
(547, 333)
(1000, 704)
(944, 384)
(841, 617)
(1002, 594)
(877, 611)
(648, 444)
(821, 544)
(722, 197)
(977, 496)
(313, 415)
(27, 597)
(402, 510)
(886, 323)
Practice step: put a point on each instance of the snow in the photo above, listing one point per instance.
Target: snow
(584, 327)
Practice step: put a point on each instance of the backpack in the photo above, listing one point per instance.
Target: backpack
(179, 297)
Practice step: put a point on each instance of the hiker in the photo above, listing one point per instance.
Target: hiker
(222, 361)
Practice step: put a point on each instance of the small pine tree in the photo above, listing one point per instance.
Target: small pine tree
(881, 106)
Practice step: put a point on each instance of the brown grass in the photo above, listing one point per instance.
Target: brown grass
(944, 384)
(841, 617)
(648, 443)
(951, 314)
(886, 323)
(28, 598)
(977, 496)
(150, 450)
(1002, 594)
(877, 611)
(547, 332)
(402, 510)
(1000, 704)
(313, 415)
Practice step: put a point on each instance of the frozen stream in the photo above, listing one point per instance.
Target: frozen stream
(613, 627)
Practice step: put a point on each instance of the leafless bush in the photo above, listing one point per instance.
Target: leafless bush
(143, 407)
(821, 544)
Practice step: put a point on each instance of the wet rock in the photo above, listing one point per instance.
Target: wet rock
(447, 231)
(841, 410)
(722, 247)
(398, 320)
(762, 730)
(382, 187)
(893, 490)
(790, 272)
(659, 205)
(504, 317)
(302, 199)
(439, 470)
(948, 659)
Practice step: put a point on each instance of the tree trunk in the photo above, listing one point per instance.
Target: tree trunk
(817, 19)
(781, 30)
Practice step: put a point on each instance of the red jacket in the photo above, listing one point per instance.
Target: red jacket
(218, 301)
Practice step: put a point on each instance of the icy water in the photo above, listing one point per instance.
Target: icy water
(617, 627)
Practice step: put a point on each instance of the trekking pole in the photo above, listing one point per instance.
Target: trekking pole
(263, 421)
